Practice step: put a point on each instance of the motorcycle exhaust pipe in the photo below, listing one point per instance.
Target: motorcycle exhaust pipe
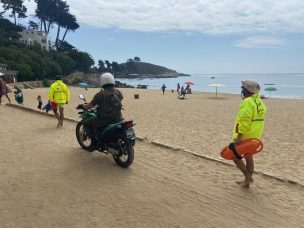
(113, 151)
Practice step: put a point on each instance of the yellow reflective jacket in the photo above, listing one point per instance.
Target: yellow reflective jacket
(250, 118)
(59, 93)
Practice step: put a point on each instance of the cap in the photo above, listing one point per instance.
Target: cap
(251, 86)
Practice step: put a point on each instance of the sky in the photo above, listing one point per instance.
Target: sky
(193, 36)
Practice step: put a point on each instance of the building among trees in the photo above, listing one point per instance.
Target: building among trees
(7, 75)
(32, 37)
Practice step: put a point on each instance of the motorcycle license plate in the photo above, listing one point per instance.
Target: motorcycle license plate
(130, 133)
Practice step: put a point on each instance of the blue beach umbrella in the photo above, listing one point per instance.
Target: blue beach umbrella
(83, 85)
(270, 89)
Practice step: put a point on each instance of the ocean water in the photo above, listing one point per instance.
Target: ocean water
(287, 85)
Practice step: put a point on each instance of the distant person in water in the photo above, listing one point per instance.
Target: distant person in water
(163, 88)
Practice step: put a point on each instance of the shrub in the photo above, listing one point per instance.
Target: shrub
(46, 83)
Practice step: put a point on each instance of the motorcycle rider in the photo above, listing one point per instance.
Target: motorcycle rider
(109, 105)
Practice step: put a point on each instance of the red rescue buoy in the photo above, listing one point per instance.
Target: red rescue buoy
(247, 147)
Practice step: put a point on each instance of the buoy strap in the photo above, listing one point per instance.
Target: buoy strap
(232, 148)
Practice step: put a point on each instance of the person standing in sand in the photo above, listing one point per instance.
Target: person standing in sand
(59, 95)
(249, 124)
(163, 88)
(4, 90)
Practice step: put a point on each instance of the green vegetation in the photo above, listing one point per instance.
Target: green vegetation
(34, 63)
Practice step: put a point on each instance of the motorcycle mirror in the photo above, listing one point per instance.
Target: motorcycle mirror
(82, 97)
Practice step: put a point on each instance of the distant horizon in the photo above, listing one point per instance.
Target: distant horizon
(241, 73)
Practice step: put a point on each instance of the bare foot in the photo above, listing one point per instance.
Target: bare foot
(245, 183)
(240, 182)
(59, 125)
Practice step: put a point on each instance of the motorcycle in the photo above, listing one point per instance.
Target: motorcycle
(117, 138)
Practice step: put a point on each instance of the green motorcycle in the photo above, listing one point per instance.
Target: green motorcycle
(117, 138)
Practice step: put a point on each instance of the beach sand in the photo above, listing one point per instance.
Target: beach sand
(47, 180)
(203, 124)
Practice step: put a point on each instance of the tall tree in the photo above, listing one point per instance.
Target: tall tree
(47, 11)
(42, 12)
(17, 8)
(70, 24)
(101, 66)
(108, 65)
(33, 25)
(115, 67)
(61, 16)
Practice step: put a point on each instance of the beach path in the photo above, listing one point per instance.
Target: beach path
(47, 180)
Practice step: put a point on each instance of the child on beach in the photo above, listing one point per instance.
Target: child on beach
(18, 95)
(47, 107)
(39, 102)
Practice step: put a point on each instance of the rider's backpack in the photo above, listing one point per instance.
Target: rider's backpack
(111, 106)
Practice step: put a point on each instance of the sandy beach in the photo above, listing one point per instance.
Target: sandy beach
(203, 124)
(48, 181)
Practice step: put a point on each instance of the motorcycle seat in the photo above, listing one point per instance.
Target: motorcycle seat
(114, 125)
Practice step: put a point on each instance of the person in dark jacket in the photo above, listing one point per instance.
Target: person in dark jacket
(109, 105)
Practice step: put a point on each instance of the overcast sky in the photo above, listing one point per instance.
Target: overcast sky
(194, 36)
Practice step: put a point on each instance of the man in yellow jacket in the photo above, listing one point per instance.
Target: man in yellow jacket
(249, 124)
(59, 95)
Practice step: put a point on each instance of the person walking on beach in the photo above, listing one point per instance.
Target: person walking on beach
(182, 93)
(4, 90)
(177, 88)
(163, 88)
(59, 95)
(249, 124)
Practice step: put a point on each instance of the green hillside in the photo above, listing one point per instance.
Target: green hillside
(143, 69)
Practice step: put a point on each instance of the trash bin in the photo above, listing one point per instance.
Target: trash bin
(136, 96)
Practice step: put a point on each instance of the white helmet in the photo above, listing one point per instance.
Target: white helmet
(107, 78)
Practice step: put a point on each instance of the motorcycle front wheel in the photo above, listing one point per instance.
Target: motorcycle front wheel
(126, 156)
(83, 139)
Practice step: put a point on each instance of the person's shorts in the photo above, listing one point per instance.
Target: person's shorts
(3, 92)
(61, 105)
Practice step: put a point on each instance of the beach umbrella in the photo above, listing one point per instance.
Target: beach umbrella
(216, 85)
(189, 83)
(83, 85)
(270, 89)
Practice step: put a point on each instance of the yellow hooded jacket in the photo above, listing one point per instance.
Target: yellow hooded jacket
(59, 93)
(250, 118)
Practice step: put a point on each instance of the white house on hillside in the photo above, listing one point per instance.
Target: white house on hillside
(31, 37)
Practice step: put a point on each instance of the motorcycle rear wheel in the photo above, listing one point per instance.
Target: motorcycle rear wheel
(83, 139)
(126, 157)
